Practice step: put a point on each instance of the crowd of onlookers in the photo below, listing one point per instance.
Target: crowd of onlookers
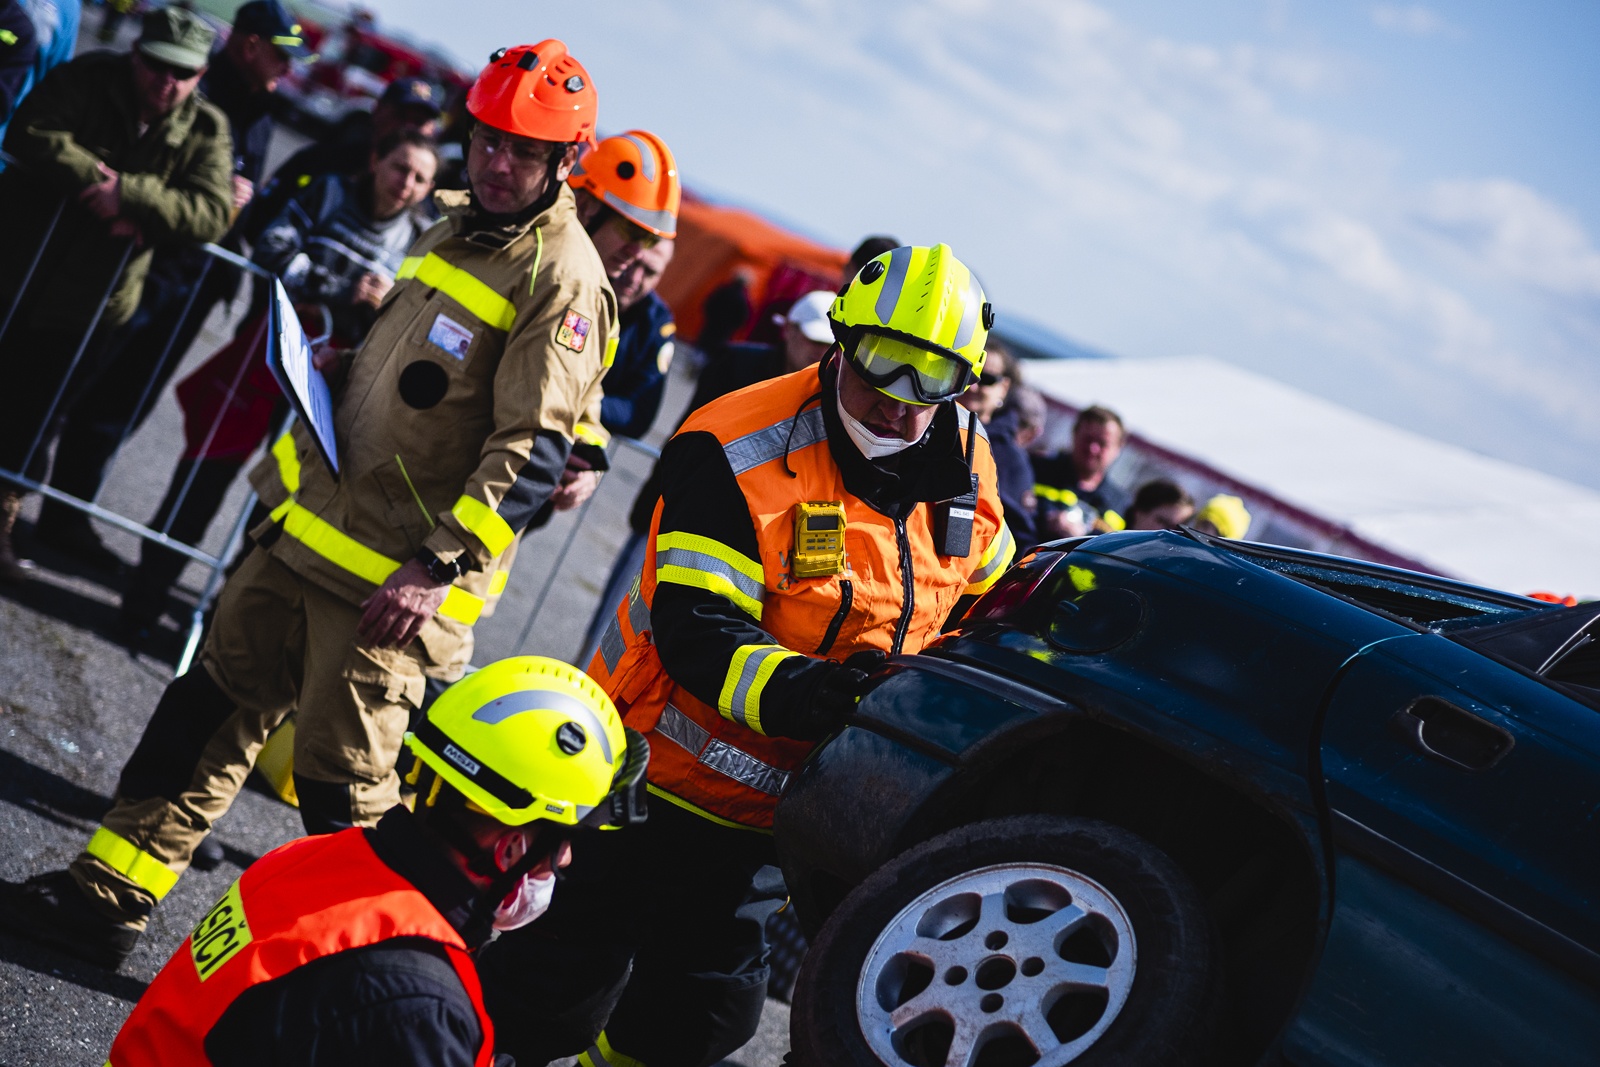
(1067, 493)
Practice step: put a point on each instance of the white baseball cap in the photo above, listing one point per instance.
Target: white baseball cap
(810, 313)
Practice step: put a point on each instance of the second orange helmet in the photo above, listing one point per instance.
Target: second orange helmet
(635, 175)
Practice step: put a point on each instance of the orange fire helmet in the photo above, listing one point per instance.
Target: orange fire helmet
(635, 175)
(538, 91)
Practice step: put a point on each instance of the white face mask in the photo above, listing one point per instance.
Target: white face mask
(870, 444)
(525, 903)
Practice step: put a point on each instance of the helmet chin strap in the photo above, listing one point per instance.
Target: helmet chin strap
(480, 921)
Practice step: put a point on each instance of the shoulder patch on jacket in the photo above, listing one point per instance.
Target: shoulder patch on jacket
(573, 331)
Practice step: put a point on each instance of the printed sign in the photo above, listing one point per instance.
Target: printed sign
(220, 935)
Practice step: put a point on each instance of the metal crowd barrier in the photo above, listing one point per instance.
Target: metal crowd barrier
(608, 599)
(217, 564)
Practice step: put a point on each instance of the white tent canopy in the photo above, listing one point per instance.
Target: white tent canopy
(1319, 475)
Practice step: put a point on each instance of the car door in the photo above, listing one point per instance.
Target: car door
(1463, 800)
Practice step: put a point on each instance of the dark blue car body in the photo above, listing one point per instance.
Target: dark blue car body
(1386, 785)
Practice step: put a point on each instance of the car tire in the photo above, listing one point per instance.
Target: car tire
(1031, 939)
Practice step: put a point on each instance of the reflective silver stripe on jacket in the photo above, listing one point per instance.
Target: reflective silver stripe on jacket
(705, 563)
(719, 755)
(612, 644)
(740, 703)
(1002, 553)
(791, 435)
(968, 419)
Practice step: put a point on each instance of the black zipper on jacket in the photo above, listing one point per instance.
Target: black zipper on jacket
(847, 593)
(907, 587)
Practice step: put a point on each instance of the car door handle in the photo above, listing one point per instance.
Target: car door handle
(1441, 731)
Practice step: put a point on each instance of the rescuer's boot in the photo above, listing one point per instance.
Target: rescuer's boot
(50, 908)
(13, 571)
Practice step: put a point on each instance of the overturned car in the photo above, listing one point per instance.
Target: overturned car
(1169, 799)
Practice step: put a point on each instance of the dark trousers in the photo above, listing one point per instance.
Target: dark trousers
(146, 595)
(680, 900)
(33, 369)
(130, 375)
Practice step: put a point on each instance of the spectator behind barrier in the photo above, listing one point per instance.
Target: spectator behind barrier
(407, 103)
(1073, 497)
(324, 246)
(1223, 516)
(46, 28)
(19, 52)
(184, 285)
(1160, 505)
(172, 187)
(988, 398)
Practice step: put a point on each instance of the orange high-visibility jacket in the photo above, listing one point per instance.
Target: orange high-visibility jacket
(718, 631)
(308, 899)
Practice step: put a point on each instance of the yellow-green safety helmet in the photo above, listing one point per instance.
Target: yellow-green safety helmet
(914, 323)
(531, 738)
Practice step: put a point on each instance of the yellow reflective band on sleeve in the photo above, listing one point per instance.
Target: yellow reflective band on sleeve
(748, 673)
(133, 863)
(344, 551)
(601, 1054)
(283, 451)
(484, 523)
(497, 582)
(1113, 520)
(996, 558)
(1065, 497)
(611, 352)
(701, 563)
(589, 435)
(463, 288)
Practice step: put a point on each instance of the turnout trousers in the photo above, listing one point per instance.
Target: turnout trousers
(278, 642)
(653, 950)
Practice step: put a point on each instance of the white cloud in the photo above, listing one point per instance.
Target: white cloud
(1147, 194)
(1413, 19)
(1511, 229)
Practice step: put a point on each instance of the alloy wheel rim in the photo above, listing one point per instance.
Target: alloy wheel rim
(1021, 963)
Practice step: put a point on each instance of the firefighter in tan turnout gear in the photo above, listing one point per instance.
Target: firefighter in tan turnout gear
(455, 422)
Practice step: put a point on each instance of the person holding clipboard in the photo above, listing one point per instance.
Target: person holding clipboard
(475, 396)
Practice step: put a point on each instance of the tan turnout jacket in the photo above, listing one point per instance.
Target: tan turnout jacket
(457, 412)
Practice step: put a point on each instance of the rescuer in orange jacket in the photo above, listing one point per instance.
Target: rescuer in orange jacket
(809, 527)
(352, 949)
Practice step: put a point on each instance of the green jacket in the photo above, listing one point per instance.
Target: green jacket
(176, 186)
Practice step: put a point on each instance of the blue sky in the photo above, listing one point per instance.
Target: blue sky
(1392, 205)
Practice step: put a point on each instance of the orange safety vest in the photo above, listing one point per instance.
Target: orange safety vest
(707, 758)
(308, 899)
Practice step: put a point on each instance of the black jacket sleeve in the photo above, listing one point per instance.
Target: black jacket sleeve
(706, 611)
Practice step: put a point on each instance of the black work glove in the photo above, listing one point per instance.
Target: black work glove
(832, 699)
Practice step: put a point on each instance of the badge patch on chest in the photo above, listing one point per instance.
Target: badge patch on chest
(450, 335)
(573, 331)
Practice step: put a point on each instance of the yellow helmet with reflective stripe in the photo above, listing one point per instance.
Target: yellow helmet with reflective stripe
(532, 738)
(915, 323)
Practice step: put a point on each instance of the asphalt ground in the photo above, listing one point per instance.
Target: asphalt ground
(73, 702)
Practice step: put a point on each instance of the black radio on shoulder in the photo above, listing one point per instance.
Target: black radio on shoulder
(952, 523)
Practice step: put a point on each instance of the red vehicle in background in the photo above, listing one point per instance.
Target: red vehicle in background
(355, 63)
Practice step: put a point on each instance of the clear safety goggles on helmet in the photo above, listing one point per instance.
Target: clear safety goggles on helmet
(628, 803)
(909, 373)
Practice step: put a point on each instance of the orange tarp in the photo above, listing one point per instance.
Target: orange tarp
(716, 244)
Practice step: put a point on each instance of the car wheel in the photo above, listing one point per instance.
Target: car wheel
(1029, 940)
